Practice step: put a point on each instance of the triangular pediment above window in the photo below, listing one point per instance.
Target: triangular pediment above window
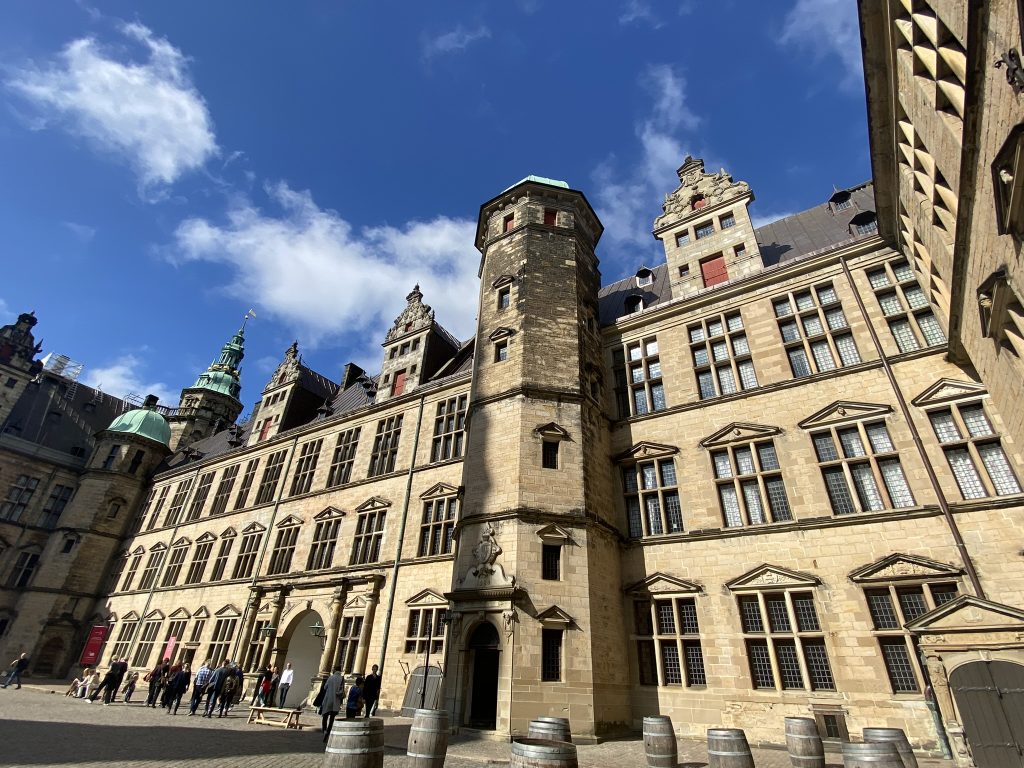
(265, 608)
(329, 512)
(898, 567)
(290, 521)
(844, 411)
(646, 450)
(181, 613)
(501, 333)
(555, 617)
(229, 610)
(253, 528)
(968, 613)
(502, 280)
(155, 614)
(138, 550)
(663, 584)
(201, 613)
(372, 503)
(948, 390)
(771, 577)
(228, 533)
(440, 489)
(184, 541)
(427, 597)
(552, 431)
(130, 616)
(158, 547)
(205, 538)
(554, 534)
(356, 602)
(738, 432)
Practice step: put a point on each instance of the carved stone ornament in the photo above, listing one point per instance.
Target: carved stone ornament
(415, 316)
(903, 568)
(486, 572)
(288, 370)
(768, 577)
(510, 618)
(694, 182)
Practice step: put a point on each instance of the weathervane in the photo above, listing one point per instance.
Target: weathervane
(251, 313)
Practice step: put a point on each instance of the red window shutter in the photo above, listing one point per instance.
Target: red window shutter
(549, 217)
(713, 271)
(265, 428)
(509, 222)
(398, 387)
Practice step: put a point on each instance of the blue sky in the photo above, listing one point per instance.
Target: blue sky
(164, 168)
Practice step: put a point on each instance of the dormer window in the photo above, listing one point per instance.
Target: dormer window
(634, 304)
(864, 223)
(644, 277)
(840, 201)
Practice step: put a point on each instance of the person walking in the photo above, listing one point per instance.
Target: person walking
(18, 666)
(240, 676)
(258, 688)
(330, 700)
(216, 686)
(371, 691)
(111, 682)
(157, 678)
(287, 676)
(228, 691)
(275, 680)
(354, 704)
(176, 688)
(131, 680)
(199, 687)
(263, 692)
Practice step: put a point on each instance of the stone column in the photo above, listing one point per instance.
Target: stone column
(275, 619)
(250, 622)
(364, 636)
(333, 627)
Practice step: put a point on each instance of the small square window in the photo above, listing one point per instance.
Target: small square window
(500, 351)
(684, 271)
(551, 562)
(11, 383)
(504, 297)
(550, 215)
(704, 230)
(69, 544)
(683, 238)
(550, 454)
(727, 221)
(510, 221)
(739, 252)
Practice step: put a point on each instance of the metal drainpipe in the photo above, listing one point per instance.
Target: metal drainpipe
(266, 543)
(451, 614)
(401, 539)
(961, 547)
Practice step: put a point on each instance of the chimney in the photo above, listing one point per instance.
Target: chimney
(150, 401)
(351, 375)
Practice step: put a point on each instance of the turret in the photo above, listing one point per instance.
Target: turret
(18, 365)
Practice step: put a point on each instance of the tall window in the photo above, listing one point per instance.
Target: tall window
(178, 502)
(195, 509)
(551, 655)
(815, 331)
(59, 498)
(449, 426)
(247, 478)
(147, 639)
(116, 570)
(125, 635)
(750, 487)
(348, 642)
(220, 563)
(721, 356)
(781, 631)
(970, 442)
(18, 497)
(344, 457)
(906, 307)
(227, 482)
(178, 554)
(369, 532)
(256, 642)
(284, 549)
(652, 499)
(156, 559)
(133, 568)
(868, 454)
(325, 540)
(199, 560)
(247, 552)
(112, 457)
(175, 629)
(157, 506)
(220, 643)
(551, 562)
(668, 643)
(438, 526)
(24, 569)
(197, 630)
(639, 388)
(309, 455)
(271, 477)
(426, 625)
(385, 446)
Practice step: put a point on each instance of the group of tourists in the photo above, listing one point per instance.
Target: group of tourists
(362, 695)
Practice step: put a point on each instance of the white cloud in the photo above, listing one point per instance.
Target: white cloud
(458, 39)
(149, 113)
(83, 232)
(312, 269)
(637, 11)
(124, 375)
(759, 220)
(827, 27)
(6, 315)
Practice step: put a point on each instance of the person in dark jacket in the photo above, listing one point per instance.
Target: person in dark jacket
(111, 682)
(216, 686)
(157, 678)
(371, 691)
(18, 666)
(176, 687)
(264, 674)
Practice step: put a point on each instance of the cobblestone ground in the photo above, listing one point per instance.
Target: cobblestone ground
(41, 729)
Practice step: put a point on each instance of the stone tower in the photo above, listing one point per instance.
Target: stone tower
(213, 398)
(706, 230)
(17, 361)
(536, 589)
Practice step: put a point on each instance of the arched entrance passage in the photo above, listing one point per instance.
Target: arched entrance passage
(990, 698)
(298, 646)
(483, 677)
(48, 657)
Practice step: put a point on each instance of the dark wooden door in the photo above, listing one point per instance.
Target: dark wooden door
(420, 693)
(485, 689)
(990, 697)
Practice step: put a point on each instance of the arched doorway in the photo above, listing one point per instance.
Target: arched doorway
(483, 679)
(990, 698)
(298, 646)
(48, 657)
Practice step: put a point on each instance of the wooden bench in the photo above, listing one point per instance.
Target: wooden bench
(285, 718)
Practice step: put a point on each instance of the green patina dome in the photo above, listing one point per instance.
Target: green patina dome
(541, 180)
(218, 381)
(143, 422)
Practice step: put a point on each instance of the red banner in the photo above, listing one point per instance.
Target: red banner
(169, 649)
(93, 646)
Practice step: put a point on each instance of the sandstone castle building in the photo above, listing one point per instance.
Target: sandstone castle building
(778, 473)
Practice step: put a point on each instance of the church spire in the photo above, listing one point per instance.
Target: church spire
(224, 374)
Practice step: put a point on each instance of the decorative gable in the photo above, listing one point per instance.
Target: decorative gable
(155, 548)
(554, 534)
(440, 489)
(184, 541)
(228, 533)
(663, 584)
(948, 390)
(329, 512)
(201, 613)
(253, 528)
(372, 503)
(181, 613)
(843, 412)
(205, 538)
(229, 610)
(356, 602)
(551, 431)
(290, 521)
(738, 432)
(646, 450)
(130, 616)
(154, 615)
(555, 617)
(138, 550)
(771, 577)
(502, 280)
(898, 566)
(427, 597)
(501, 333)
(968, 613)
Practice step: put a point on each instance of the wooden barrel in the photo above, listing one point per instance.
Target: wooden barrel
(428, 738)
(660, 742)
(804, 743)
(543, 753)
(728, 748)
(550, 728)
(897, 737)
(355, 744)
(869, 754)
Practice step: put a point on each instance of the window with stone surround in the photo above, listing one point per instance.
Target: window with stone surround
(639, 388)
(195, 509)
(814, 330)
(551, 654)
(178, 502)
(861, 468)
(178, 554)
(284, 549)
(154, 507)
(309, 456)
(220, 563)
(220, 643)
(449, 429)
(348, 643)
(59, 498)
(19, 494)
(247, 479)
(271, 477)
(125, 635)
(325, 541)
(385, 446)
(425, 625)
(721, 356)
(652, 498)
(969, 443)
(784, 641)
(749, 482)
(668, 643)
(907, 310)
(204, 548)
(344, 457)
(256, 642)
(247, 552)
(24, 569)
(153, 563)
(116, 570)
(147, 639)
(368, 535)
(437, 528)
(133, 569)
(227, 482)
(176, 629)
(197, 630)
